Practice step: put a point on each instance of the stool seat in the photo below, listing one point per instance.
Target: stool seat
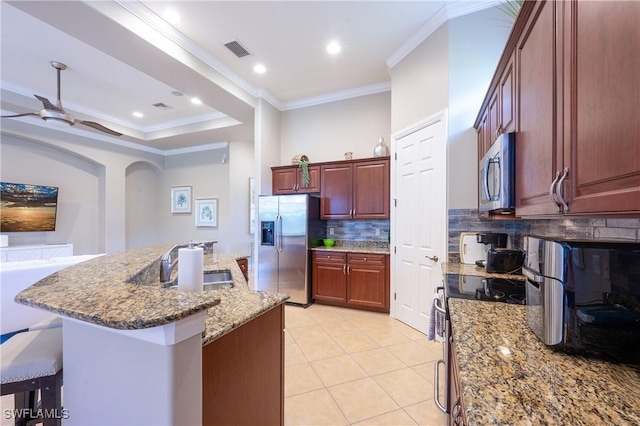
(31, 354)
(32, 361)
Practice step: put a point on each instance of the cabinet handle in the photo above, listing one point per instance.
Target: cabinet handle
(344, 269)
(559, 186)
(436, 386)
(552, 192)
(354, 213)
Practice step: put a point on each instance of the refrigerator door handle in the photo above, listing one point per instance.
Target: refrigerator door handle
(279, 233)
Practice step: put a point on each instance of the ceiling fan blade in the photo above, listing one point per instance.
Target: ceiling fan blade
(20, 115)
(47, 104)
(99, 127)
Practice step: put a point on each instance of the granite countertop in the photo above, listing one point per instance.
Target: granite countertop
(508, 376)
(454, 268)
(123, 291)
(347, 246)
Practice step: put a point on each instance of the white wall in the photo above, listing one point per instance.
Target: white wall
(142, 204)
(208, 178)
(77, 180)
(451, 69)
(241, 168)
(267, 144)
(476, 42)
(325, 132)
(419, 83)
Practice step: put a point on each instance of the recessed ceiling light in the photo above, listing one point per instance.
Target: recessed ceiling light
(196, 101)
(138, 114)
(334, 47)
(260, 69)
(172, 17)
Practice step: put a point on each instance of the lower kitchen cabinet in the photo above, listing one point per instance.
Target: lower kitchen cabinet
(456, 407)
(243, 374)
(356, 280)
(244, 267)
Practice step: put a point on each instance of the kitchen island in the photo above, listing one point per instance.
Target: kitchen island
(508, 376)
(130, 343)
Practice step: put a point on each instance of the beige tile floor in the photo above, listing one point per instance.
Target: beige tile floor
(346, 367)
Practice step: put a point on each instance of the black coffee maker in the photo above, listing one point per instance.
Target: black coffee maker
(500, 259)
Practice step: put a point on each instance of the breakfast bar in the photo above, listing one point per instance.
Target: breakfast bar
(132, 343)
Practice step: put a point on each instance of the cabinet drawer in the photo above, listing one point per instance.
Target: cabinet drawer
(329, 257)
(367, 259)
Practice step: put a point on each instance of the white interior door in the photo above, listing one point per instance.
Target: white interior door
(418, 219)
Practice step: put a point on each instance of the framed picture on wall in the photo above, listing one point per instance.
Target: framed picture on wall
(207, 212)
(181, 199)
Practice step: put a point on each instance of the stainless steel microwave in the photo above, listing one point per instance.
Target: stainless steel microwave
(496, 180)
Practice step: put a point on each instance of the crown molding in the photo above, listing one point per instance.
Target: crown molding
(339, 96)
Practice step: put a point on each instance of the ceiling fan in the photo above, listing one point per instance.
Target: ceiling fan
(56, 112)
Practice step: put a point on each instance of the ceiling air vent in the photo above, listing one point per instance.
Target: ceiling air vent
(237, 49)
(161, 105)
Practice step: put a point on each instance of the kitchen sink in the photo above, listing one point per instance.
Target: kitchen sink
(211, 280)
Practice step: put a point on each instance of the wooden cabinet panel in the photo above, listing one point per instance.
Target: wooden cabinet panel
(243, 374)
(356, 190)
(351, 280)
(371, 189)
(288, 180)
(537, 150)
(367, 280)
(493, 118)
(244, 267)
(507, 99)
(329, 277)
(337, 191)
(602, 47)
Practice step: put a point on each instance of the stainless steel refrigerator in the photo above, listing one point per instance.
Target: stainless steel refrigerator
(288, 225)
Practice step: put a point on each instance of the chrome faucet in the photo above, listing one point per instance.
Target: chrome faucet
(166, 265)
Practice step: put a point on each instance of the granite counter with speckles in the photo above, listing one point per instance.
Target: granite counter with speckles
(453, 268)
(508, 376)
(123, 291)
(347, 246)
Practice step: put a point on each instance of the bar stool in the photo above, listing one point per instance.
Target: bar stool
(32, 361)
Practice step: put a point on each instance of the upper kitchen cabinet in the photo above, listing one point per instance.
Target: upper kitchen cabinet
(538, 153)
(601, 82)
(567, 84)
(357, 189)
(288, 180)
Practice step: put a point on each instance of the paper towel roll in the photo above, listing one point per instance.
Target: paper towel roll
(190, 269)
(4, 240)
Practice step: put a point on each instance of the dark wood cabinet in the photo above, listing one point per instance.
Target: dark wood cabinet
(244, 267)
(570, 71)
(329, 277)
(243, 374)
(351, 280)
(288, 180)
(357, 189)
(537, 149)
(457, 414)
(601, 106)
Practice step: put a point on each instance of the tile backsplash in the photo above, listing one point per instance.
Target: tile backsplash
(467, 220)
(359, 230)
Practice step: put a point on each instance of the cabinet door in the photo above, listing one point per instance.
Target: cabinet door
(538, 154)
(283, 181)
(604, 62)
(494, 117)
(483, 140)
(367, 280)
(507, 101)
(329, 276)
(371, 189)
(314, 180)
(337, 191)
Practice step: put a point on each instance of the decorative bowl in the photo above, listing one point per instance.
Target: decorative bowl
(329, 242)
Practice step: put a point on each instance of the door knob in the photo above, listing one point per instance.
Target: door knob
(434, 258)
